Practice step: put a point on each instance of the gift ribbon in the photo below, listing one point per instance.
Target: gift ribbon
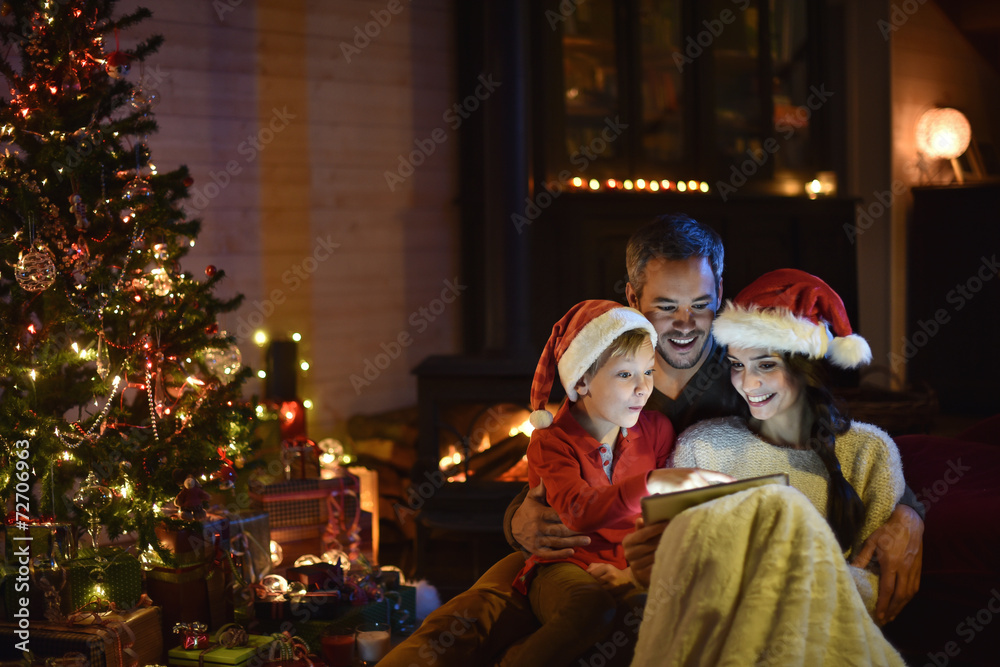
(336, 521)
(305, 448)
(104, 625)
(232, 635)
(73, 659)
(284, 646)
(194, 635)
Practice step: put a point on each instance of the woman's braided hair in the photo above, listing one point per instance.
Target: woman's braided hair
(845, 510)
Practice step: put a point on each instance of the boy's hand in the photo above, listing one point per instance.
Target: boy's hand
(610, 576)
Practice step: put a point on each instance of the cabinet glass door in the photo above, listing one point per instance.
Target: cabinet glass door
(591, 80)
(661, 85)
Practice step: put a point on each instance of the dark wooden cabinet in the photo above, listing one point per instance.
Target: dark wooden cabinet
(578, 245)
(699, 86)
(953, 296)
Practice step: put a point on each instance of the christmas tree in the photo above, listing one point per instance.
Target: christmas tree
(116, 384)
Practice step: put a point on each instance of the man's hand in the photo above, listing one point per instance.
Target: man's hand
(640, 549)
(538, 528)
(898, 548)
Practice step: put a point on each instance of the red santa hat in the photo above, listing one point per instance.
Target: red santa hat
(577, 340)
(792, 311)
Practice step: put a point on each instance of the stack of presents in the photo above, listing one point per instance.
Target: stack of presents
(257, 581)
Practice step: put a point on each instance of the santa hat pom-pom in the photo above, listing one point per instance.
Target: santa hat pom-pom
(541, 419)
(849, 351)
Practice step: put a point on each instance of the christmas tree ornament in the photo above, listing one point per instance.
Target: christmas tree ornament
(142, 154)
(212, 329)
(36, 270)
(141, 99)
(79, 210)
(223, 362)
(337, 557)
(191, 500)
(277, 553)
(118, 64)
(226, 477)
(148, 560)
(210, 271)
(103, 361)
(126, 215)
(136, 190)
(79, 259)
(161, 283)
(70, 83)
(188, 182)
(92, 498)
(160, 251)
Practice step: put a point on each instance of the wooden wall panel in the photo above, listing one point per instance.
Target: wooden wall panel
(221, 76)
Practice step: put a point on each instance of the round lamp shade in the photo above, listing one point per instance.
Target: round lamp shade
(943, 133)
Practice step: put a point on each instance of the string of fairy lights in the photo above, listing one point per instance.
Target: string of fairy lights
(638, 185)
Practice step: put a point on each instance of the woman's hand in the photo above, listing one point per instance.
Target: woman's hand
(668, 480)
(539, 530)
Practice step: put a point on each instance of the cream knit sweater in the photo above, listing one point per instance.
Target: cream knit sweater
(868, 458)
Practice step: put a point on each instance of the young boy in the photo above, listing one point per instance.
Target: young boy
(598, 458)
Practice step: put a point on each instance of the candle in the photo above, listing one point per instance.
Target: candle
(338, 649)
(372, 644)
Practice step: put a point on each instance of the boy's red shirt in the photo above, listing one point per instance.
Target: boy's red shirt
(568, 459)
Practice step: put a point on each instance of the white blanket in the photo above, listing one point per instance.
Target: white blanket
(756, 578)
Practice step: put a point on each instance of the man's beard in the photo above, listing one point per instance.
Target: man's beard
(684, 364)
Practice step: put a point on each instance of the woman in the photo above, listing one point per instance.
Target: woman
(760, 577)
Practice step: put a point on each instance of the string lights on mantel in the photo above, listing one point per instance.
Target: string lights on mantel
(638, 185)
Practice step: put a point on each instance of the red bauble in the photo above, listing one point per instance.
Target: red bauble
(212, 329)
(118, 64)
(188, 182)
(210, 270)
(226, 477)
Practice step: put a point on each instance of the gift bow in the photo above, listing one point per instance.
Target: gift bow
(286, 647)
(112, 621)
(195, 634)
(232, 635)
(73, 659)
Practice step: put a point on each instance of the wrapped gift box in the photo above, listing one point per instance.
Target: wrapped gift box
(196, 585)
(122, 578)
(194, 541)
(250, 540)
(313, 615)
(108, 640)
(219, 655)
(299, 502)
(192, 593)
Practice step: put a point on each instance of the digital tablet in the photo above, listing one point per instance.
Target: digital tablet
(665, 506)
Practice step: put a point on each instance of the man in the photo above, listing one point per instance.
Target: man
(675, 279)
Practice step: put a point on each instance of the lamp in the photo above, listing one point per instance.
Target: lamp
(944, 133)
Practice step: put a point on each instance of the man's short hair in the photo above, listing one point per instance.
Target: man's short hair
(672, 236)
